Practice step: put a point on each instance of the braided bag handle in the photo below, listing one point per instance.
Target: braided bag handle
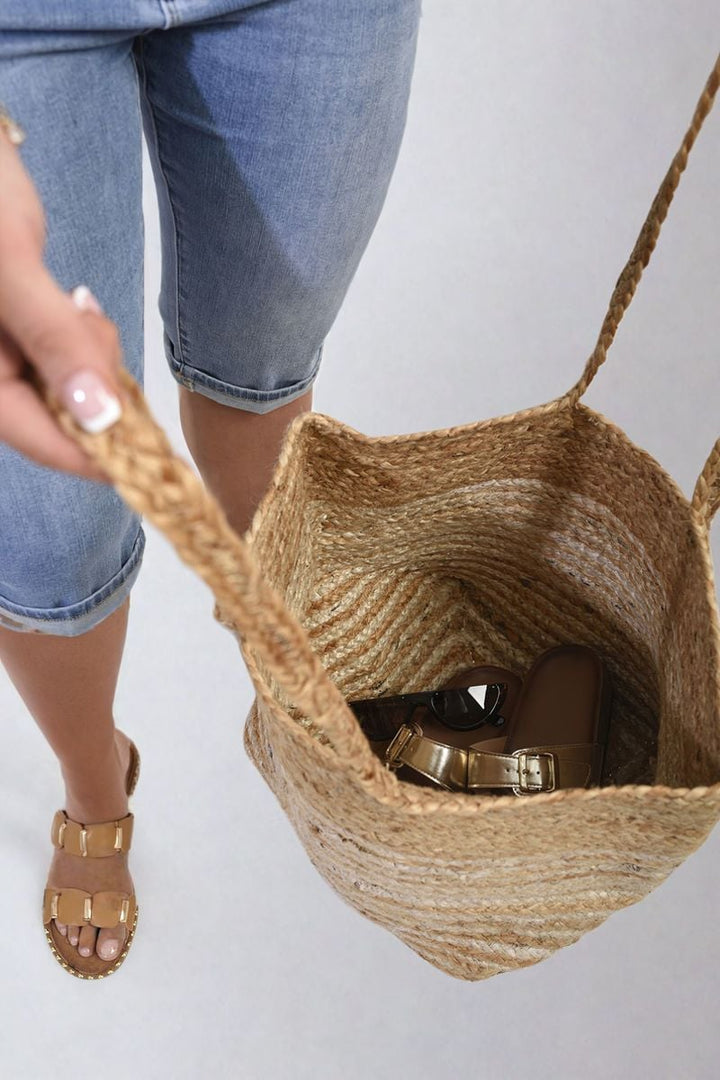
(706, 496)
(154, 481)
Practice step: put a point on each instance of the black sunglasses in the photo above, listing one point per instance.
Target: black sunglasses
(457, 708)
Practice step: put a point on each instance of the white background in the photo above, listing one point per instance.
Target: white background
(536, 138)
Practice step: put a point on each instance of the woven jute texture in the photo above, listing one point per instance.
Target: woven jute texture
(381, 565)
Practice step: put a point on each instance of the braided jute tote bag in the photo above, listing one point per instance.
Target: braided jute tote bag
(383, 565)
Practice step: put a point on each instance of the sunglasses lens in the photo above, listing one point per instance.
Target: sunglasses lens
(459, 708)
(468, 708)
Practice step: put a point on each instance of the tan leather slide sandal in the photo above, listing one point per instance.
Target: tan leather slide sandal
(76, 907)
(558, 732)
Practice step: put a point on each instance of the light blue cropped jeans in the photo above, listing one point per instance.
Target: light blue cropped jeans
(273, 130)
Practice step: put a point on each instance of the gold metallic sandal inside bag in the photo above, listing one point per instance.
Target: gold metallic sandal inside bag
(487, 730)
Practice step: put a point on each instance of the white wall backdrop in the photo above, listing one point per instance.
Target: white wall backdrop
(537, 136)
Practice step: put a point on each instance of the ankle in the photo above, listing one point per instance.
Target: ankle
(91, 808)
(95, 793)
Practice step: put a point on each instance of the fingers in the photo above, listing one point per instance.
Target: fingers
(22, 218)
(47, 340)
(57, 338)
(26, 424)
(75, 350)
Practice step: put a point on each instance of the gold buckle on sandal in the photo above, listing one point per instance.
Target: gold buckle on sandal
(398, 743)
(547, 774)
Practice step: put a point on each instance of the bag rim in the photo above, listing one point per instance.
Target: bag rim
(367, 770)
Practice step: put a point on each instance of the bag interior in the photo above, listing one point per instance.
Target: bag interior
(408, 559)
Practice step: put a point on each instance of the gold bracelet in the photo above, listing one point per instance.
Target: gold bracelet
(14, 132)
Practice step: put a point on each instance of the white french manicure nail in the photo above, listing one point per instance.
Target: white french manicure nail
(84, 299)
(91, 403)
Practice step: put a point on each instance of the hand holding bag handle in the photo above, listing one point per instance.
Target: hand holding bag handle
(155, 482)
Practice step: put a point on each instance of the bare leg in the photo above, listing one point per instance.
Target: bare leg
(236, 450)
(68, 685)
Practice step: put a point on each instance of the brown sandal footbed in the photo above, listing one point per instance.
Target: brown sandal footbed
(565, 700)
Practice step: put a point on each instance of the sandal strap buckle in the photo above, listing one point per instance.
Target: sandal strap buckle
(398, 743)
(536, 772)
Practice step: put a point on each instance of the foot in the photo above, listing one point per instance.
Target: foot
(110, 872)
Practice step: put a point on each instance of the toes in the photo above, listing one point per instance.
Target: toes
(110, 941)
(73, 933)
(62, 928)
(86, 945)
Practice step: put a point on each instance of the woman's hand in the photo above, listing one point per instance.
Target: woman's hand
(64, 338)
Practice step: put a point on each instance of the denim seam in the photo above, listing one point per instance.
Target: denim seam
(245, 393)
(176, 231)
(172, 16)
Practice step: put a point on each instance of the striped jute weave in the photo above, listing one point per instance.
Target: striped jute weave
(382, 565)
